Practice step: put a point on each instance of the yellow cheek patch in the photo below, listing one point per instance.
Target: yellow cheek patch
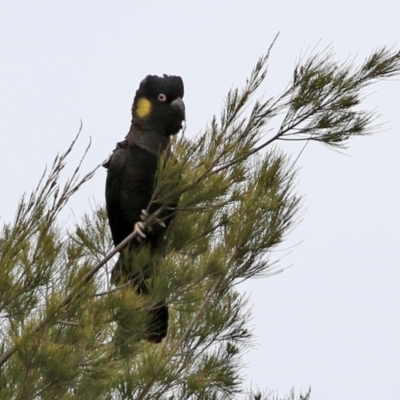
(143, 107)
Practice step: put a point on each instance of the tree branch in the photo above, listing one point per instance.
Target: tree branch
(42, 323)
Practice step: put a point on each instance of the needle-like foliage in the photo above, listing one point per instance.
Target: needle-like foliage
(67, 334)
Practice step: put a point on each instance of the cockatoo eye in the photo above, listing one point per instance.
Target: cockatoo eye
(162, 97)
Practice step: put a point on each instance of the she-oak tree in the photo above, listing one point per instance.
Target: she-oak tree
(67, 333)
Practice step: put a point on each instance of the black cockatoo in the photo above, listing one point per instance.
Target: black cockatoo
(158, 112)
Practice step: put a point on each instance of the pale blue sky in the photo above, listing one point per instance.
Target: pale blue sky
(331, 320)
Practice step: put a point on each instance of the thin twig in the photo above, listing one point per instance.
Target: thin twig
(41, 391)
(69, 323)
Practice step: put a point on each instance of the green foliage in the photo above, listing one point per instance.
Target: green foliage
(66, 333)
